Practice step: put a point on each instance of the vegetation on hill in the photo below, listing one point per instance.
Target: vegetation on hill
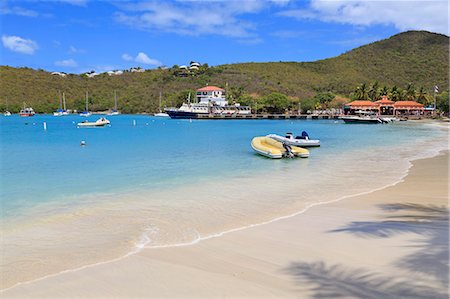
(417, 58)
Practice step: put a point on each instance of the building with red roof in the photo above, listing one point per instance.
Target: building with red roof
(211, 93)
(385, 107)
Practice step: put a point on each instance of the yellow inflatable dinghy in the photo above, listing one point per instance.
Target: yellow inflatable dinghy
(271, 148)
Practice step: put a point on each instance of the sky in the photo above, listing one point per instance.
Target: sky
(77, 36)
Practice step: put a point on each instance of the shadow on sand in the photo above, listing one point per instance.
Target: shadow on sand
(430, 259)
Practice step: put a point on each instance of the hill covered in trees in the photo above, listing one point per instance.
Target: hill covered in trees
(411, 60)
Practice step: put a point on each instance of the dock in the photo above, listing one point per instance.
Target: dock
(269, 116)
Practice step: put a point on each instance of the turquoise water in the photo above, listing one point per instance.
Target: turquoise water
(40, 166)
(166, 182)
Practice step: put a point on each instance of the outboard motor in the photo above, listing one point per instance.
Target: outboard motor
(305, 135)
(288, 152)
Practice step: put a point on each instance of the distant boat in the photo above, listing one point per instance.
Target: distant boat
(362, 117)
(7, 113)
(86, 113)
(26, 111)
(62, 107)
(114, 111)
(101, 122)
(161, 114)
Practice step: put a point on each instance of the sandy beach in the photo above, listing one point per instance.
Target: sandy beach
(388, 243)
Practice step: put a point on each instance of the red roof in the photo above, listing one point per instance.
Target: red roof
(362, 103)
(385, 100)
(210, 88)
(409, 104)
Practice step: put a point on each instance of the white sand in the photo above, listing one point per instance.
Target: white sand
(297, 257)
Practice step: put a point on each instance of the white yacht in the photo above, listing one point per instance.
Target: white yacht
(101, 122)
(114, 111)
(86, 112)
(210, 100)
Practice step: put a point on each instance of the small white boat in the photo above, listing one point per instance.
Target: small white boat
(7, 113)
(101, 122)
(290, 139)
(161, 114)
(62, 107)
(114, 111)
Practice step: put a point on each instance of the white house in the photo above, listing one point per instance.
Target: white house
(193, 68)
(193, 63)
(59, 74)
(209, 94)
(110, 73)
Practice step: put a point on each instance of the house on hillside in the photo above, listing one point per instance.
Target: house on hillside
(210, 94)
(62, 74)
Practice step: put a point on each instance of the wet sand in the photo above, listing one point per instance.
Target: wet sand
(392, 242)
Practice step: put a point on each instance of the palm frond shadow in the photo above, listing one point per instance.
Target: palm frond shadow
(338, 282)
(429, 221)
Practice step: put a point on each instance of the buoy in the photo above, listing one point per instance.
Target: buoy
(45, 126)
(134, 122)
(82, 143)
(190, 120)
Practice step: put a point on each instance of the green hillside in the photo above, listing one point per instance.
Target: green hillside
(416, 57)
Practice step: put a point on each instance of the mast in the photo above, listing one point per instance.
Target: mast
(60, 100)
(87, 96)
(160, 95)
(115, 100)
(64, 102)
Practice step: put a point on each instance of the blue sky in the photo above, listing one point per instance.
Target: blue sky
(81, 35)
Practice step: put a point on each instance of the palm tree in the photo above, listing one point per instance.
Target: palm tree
(422, 96)
(373, 93)
(410, 92)
(396, 93)
(361, 92)
(384, 91)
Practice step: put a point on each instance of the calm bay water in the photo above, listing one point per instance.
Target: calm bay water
(166, 181)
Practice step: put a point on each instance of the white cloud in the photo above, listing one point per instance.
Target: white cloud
(75, 2)
(195, 17)
(73, 50)
(141, 57)
(403, 15)
(18, 11)
(127, 57)
(19, 45)
(66, 63)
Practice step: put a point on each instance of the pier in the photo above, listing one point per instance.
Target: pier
(268, 116)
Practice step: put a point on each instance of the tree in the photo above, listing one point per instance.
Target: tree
(384, 91)
(422, 96)
(410, 92)
(395, 93)
(373, 92)
(361, 92)
(276, 102)
(442, 102)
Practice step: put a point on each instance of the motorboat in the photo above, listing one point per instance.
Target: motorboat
(362, 117)
(161, 114)
(101, 122)
(302, 140)
(26, 111)
(271, 148)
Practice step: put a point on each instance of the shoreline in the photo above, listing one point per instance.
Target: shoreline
(201, 240)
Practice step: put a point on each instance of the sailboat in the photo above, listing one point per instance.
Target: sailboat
(86, 113)
(114, 111)
(7, 113)
(161, 114)
(62, 107)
